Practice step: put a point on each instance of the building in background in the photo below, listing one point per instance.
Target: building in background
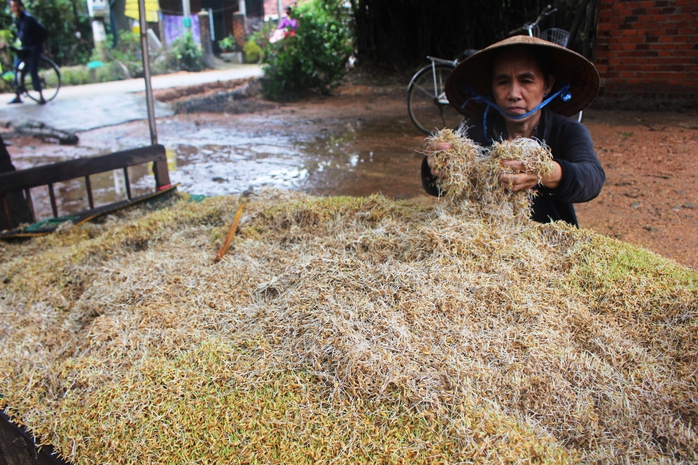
(235, 18)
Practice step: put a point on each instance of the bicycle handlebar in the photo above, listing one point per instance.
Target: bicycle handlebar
(442, 61)
(548, 10)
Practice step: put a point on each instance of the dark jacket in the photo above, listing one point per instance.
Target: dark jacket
(30, 31)
(571, 146)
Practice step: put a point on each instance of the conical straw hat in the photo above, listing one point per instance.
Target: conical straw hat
(472, 77)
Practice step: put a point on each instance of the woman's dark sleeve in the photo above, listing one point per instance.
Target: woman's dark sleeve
(582, 173)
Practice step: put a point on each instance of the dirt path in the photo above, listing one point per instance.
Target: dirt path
(649, 198)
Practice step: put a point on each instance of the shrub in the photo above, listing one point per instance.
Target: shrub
(187, 53)
(127, 49)
(312, 59)
(253, 52)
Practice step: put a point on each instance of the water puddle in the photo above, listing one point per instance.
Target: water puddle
(224, 156)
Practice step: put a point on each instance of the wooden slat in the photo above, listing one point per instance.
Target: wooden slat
(162, 175)
(71, 169)
(6, 211)
(127, 183)
(52, 195)
(30, 204)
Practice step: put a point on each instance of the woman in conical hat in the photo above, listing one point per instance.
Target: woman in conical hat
(528, 87)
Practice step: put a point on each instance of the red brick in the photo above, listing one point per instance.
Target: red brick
(648, 47)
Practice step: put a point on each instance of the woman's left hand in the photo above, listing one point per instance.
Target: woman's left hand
(519, 179)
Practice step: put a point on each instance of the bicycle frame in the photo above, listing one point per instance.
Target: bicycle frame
(441, 97)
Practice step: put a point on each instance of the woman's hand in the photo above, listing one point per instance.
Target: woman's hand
(518, 179)
(431, 149)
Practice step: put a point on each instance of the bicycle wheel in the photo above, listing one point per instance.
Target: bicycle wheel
(50, 77)
(426, 100)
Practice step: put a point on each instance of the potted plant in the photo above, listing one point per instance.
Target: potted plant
(229, 50)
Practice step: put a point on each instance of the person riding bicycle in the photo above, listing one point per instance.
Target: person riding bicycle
(32, 34)
(528, 87)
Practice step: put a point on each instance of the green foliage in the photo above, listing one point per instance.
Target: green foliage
(75, 75)
(81, 74)
(127, 52)
(261, 37)
(188, 55)
(227, 44)
(69, 29)
(127, 49)
(253, 52)
(313, 59)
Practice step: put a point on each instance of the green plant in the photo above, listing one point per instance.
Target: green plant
(188, 55)
(314, 58)
(227, 44)
(128, 47)
(75, 75)
(261, 37)
(253, 52)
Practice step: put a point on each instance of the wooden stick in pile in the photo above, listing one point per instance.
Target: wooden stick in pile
(234, 225)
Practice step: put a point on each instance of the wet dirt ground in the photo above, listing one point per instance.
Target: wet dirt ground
(361, 141)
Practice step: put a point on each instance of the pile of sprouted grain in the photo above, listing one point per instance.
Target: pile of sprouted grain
(346, 330)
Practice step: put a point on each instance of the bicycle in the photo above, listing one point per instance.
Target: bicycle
(427, 104)
(21, 81)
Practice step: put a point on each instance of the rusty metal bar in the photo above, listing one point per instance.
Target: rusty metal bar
(149, 100)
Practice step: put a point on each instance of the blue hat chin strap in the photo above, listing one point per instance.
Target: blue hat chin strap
(564, 93)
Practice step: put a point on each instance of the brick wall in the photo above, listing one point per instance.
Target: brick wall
(648, 49)
(271, 7)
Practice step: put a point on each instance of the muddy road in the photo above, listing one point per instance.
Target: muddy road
(360, 141)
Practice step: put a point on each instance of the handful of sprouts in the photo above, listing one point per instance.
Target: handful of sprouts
(469, 173)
